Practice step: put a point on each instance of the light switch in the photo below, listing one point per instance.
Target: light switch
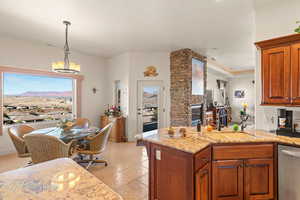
(158, 155)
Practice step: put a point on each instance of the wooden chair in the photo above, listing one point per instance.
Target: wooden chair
(45, 147)
(82, 123)
(95, 145)
(17, 134)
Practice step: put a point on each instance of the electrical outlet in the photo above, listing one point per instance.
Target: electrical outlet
(158, 155)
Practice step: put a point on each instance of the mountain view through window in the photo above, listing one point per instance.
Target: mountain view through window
(33, 98)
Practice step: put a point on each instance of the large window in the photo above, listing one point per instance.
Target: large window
(36, 98)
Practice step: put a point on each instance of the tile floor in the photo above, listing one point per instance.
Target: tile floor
(126, 173)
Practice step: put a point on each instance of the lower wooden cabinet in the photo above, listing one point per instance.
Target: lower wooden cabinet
(227, 180)
(244, 172)
(259, 179)
(171, 174)
(118, 130)
(202, 183)
(218, 172)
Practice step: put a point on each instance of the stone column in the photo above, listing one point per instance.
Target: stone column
(181, 86)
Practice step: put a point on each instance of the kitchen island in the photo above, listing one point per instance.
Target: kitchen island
(214, 165)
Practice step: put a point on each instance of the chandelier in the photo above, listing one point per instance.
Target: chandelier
(66, 66)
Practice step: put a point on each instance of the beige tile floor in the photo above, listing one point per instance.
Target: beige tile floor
(126, 173)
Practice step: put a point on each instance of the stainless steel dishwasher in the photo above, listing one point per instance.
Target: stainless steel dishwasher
(288, 173)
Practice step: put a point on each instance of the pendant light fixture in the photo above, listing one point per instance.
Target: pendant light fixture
(66, 66)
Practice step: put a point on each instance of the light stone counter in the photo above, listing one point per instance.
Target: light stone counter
(56, 179)
(192, 143)
(195, 142)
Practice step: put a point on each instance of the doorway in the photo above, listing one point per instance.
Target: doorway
(150, 111)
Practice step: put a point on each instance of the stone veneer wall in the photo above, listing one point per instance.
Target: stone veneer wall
(181, 86)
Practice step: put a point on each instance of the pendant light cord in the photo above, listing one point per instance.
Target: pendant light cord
(66, 48)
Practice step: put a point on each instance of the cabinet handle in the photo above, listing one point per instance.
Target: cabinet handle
(256, 165)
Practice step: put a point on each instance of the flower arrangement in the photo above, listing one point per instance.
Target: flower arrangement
(113, 111)
(244, 106)
(297, 30)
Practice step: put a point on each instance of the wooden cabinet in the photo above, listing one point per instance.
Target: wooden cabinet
(227, 180)
(202, 161)
(171, 174)
(179, 175)
(118, 130)
(218, 172)
(259, 179)
(295, 71)
(280, 69)
(276, 75)
(202, 183)
(245, 178)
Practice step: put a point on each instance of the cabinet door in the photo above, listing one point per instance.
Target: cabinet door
(202, 183)
(227, 181)
(276, 72)
(171, 174)
(295, 55)
(259, 179)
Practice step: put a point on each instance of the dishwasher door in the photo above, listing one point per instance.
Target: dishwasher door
(288, 173)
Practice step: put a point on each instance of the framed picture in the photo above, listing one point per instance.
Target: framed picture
(197, 77)
(239, 94)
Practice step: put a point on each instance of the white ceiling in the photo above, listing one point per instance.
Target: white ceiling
(223, 29)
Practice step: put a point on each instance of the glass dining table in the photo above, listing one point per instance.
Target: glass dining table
(73, 134)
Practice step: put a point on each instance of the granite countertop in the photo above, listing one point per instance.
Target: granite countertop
(192, 143)
(57, 179)
(195, 142)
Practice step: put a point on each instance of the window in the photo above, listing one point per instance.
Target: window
(36, 98)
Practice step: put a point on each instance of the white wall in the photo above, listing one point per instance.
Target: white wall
(18, 53)
(118, 70)
(242, 82)
(139, 62)
(273, 18)
(133, 65)
(212, 77)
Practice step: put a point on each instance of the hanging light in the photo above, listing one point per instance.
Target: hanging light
(66, 66)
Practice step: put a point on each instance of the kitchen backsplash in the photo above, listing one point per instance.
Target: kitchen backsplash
(266, 117)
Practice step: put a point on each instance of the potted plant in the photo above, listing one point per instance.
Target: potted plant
(297, 30)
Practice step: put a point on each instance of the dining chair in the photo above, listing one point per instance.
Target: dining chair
(82, 123)
(46, 147)
(95, 145)
(17, 134)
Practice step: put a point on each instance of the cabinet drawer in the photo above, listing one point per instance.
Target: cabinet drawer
(243, 151)
(202, 158)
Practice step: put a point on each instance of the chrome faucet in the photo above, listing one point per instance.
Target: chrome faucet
(244, 118)
(219, 126)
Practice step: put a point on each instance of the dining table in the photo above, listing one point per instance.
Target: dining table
(67, 136)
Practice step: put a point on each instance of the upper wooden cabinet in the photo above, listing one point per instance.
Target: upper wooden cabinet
(295, 71)
(280, 69)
